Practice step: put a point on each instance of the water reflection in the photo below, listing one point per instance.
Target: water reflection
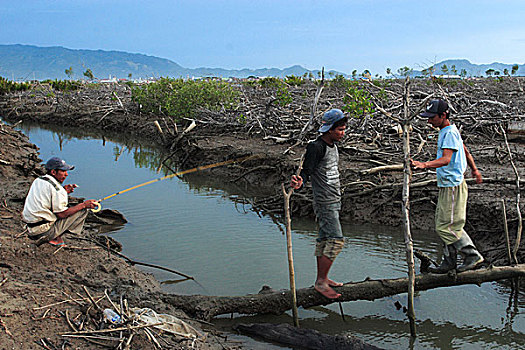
(209, 230)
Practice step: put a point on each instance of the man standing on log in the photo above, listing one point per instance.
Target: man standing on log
(46, 211)
(450, 164)
(321, 167)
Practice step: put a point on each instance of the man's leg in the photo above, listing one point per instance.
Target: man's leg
(322, 284)
(450, 220)
(329, 245)
(449, 260)
(73, 224)
(469, 252)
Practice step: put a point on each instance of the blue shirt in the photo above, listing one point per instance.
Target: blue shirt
(451, 175)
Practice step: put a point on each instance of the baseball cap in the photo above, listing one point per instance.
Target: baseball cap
(435, 107)
(330, 117)
(56, 163)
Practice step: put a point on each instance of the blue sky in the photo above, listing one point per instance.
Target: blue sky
(234, 34)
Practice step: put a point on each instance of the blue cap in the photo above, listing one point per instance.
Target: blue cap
(56, 163)
(331, 117)
(435, 107)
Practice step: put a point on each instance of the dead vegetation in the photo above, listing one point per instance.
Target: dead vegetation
(486, 111)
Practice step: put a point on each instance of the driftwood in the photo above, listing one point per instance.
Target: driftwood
(518, 194)
(392, 167)
(302, 338)
(277, 302)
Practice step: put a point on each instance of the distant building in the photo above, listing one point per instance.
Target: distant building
(448, 76)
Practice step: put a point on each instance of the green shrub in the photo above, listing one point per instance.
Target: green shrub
(357, 102)
(340, 82)
(270, 82)
(294, 80)
(8, 86)
(283, 96)
(282, 93)
(63, 85)
(181, 99)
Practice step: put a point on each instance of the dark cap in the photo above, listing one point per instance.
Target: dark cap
(435, 107)
(330, 118)
(56, 163)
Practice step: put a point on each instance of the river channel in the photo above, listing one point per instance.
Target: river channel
(201, 226)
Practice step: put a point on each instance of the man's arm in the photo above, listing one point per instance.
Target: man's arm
(436, 163)
(314, 154)
(472, 165)
(88, 204)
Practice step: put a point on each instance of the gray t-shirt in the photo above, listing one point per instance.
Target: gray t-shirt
(321, 167)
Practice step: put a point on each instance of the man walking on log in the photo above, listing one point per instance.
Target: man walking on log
(46, 211)
(450, 164)
(321, 167)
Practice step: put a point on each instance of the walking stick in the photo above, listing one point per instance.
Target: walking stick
(287, 195)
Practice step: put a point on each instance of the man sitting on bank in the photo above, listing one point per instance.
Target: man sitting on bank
(46, 210)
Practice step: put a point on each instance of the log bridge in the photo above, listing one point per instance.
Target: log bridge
(269, 301)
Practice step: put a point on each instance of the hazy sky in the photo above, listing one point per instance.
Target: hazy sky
(235, 34)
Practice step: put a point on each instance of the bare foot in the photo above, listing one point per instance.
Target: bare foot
(57, 241)
(325, 290)
(334, 284)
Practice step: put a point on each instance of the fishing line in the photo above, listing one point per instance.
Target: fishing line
(183, 172)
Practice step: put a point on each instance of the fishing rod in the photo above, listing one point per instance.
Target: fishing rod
(183, 172)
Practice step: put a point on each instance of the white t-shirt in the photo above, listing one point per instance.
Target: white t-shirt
(46, 197)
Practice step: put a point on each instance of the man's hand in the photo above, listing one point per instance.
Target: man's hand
(296, 182)
(417, 164)
(70, 188)
(90, 204)
(477, 175)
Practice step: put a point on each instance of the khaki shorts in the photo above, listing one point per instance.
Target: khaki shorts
(329, 248)
(451, 212)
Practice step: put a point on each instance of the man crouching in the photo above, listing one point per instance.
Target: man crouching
(46, 212)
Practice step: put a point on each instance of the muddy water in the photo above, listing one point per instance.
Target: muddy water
(202, 228)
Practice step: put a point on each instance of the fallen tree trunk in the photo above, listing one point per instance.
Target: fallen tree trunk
(277, 302)
(302, 337)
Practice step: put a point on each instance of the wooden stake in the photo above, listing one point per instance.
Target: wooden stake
(288, 219)
(291, 272)
(506, 227)
(407, 174)
(520, 219)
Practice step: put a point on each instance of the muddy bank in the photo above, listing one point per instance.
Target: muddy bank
(41, 288)
(482, 109)
(369, 197)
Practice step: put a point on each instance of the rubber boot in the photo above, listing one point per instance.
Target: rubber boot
(467, 249)
(449, 260)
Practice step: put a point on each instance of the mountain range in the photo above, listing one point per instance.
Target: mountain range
(27, 62)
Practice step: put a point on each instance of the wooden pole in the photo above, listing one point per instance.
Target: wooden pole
(520, 219)
(288, 220)
(407, 174)
(291, 272)
(506, 228)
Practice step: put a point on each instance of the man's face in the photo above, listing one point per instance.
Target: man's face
(337, 133)
(436, 121)
(59, 175)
